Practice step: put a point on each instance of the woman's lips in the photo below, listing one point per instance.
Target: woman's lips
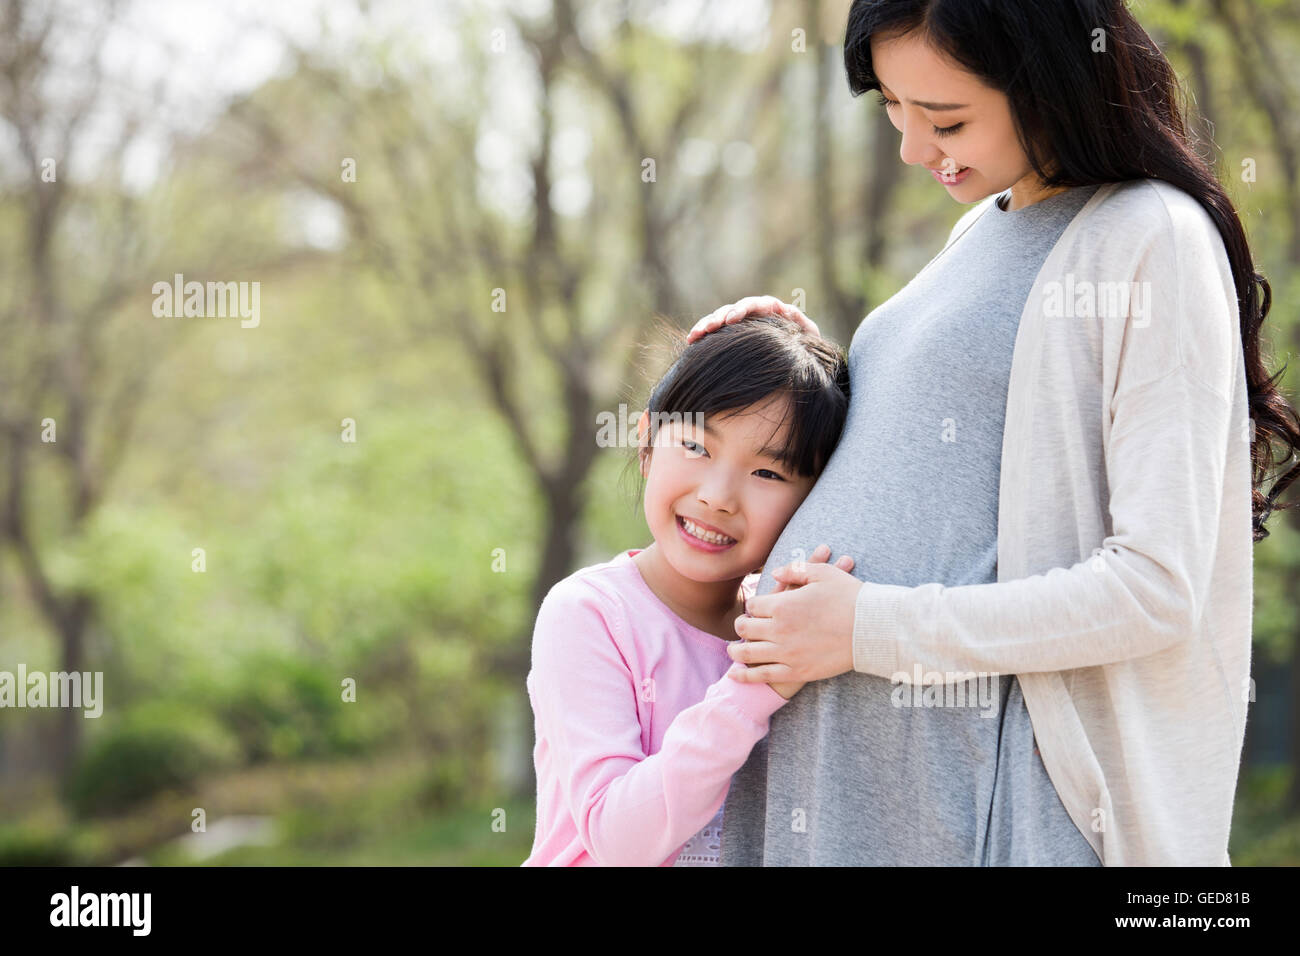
(943, 176)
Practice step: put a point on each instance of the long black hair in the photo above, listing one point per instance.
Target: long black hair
(1085, 119)
(744, 363)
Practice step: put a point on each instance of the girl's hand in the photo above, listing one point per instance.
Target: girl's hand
(752, 305)
(820, 555)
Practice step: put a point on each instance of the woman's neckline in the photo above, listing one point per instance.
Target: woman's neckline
(997, 203)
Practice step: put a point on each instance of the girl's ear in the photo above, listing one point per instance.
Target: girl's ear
(643, 440)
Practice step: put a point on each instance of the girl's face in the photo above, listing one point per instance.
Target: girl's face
(952, 123)
(721, 477)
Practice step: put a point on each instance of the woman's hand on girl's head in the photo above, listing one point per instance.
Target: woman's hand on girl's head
(752, 305)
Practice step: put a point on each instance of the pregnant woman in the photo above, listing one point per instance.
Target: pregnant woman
(1045, 480)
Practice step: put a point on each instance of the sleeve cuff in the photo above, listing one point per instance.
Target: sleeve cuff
(757, 701)
(875, 629)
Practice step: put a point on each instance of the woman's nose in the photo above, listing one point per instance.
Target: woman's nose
(915, 147)
(911, 151)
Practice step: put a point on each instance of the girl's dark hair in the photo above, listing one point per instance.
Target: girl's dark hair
(744, 363)
(1094, 118)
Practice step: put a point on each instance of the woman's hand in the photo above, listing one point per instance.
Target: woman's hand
(820, 555)
(752, 305)
(803, 634)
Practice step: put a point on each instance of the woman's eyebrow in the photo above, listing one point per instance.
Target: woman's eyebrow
(936, 107)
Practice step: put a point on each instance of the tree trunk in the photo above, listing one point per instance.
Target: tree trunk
(72, 630)
(559, 552)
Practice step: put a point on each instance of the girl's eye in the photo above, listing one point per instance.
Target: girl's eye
(938, 130)
(690, 446)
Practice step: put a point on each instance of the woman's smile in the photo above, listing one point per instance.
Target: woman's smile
(957, 175)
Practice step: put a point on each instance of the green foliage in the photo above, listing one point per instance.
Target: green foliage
(1263, 834)
(159, 744)
(26, 845)
(284, 708)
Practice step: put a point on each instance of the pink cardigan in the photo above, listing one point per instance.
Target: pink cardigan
(638, 729)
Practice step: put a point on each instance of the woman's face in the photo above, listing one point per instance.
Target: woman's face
(720, 476)
(952, 123)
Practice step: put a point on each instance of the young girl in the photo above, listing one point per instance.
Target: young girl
(638, 728)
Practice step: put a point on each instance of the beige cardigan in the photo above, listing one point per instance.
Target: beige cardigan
(1125, 560)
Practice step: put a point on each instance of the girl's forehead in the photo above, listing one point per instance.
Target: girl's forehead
(756, 426)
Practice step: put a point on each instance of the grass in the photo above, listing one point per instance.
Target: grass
(460, 838)
(385, 812)
(390, 812)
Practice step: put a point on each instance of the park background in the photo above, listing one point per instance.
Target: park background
(459, 252)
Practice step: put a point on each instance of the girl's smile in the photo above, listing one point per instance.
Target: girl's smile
(705, 537)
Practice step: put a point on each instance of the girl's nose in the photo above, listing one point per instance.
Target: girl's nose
(717, 495)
